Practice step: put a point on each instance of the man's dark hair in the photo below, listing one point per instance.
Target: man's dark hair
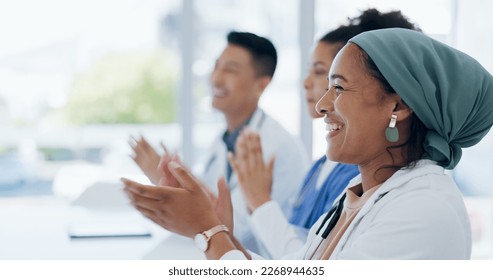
(370, 19)
(264, 55)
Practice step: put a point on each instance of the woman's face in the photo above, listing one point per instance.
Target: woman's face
(316, 81)
(357, 111)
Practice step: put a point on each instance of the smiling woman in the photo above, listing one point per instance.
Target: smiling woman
(377, 82)
(358, 109)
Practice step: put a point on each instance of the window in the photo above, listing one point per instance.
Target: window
(79, 77)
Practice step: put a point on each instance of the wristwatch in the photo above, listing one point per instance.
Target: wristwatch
(202, 239)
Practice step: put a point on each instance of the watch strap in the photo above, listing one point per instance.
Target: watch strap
(211, 232)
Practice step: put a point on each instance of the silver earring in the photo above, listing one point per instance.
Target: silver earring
(391, 132)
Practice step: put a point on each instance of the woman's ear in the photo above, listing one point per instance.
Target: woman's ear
(401, 110)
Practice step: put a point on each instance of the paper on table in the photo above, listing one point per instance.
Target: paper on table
(102, 195)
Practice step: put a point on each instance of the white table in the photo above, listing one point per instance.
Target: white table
(37, 228)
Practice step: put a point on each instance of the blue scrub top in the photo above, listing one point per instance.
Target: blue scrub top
(312, 202)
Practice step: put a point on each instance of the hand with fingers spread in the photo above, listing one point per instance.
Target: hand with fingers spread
(254, 175)
(222, 202)
(186, 208)
(146, 157)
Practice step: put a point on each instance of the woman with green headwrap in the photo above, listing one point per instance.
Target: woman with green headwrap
(401, 106)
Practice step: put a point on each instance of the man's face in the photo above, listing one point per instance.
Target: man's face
(235, 85)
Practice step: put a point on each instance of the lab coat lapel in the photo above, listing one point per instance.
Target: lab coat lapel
(255, 125)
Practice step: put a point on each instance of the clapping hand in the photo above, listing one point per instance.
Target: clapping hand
(254, 175)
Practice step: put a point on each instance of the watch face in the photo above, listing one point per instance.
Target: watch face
(201, 242)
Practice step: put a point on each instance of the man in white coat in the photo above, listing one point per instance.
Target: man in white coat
(241, 73)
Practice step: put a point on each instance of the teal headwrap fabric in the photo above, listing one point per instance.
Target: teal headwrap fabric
(450, 92)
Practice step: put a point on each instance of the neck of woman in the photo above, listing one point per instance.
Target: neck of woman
(381, 168)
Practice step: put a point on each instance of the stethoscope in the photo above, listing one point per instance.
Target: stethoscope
(334, 214)
(333, 217)
(213, 157)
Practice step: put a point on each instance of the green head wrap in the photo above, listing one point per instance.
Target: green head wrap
(450, 92)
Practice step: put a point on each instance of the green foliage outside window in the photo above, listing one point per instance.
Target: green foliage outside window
(125, 89)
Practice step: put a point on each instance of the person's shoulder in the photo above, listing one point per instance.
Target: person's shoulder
(424, 184)
(423, 201)
(278, 139)
(274, 129)
(272, 124)
(419, 174)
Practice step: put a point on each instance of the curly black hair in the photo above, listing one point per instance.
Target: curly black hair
(370, 19)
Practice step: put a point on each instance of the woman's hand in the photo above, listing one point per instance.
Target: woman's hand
(185, 209)
(167, 178)
(146, 158)
(151, 163)
(254, 176)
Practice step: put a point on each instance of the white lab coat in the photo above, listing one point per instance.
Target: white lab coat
(269, 218)
(289, 169)
(418, 213)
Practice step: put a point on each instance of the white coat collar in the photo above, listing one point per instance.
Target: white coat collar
(257, 120)
(398, 179)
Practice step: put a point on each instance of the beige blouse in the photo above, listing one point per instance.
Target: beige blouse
(355, 199)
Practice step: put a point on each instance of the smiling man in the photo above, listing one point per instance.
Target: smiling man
(242, 72)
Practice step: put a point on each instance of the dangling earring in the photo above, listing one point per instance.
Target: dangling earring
(391, 132)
